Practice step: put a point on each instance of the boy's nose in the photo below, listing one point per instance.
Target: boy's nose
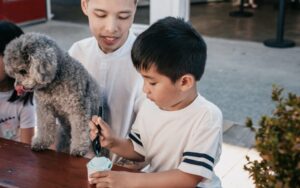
(145, 89)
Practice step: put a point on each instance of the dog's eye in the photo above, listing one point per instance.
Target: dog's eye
(23, 72)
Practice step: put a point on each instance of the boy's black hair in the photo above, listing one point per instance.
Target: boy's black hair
(173, 46)
(8, 32)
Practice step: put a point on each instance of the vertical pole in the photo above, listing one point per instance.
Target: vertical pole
(279, 42)
(242, 6)
(280, 24)
(48, 8)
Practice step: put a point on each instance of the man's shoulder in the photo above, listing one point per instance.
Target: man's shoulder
(82, 48)
(84, 42)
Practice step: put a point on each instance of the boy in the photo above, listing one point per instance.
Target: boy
(177, 131)
(106, 56)
(17, 114)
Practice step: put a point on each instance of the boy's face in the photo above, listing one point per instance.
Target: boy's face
(109, 21)
(162, 91)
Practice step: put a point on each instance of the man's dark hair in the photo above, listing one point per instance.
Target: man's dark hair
(173, 46)
(8, 32)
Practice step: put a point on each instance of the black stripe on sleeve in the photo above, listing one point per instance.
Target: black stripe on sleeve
(201, 155)
(138, 135)
(198, 163)
(131, 136)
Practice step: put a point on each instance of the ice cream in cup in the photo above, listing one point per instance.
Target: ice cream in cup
(98, 164)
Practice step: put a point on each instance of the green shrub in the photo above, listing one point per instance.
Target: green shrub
(278, 142)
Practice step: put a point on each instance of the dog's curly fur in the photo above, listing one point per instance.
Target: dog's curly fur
(63, 89)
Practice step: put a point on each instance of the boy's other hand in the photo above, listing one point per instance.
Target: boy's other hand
(112, 179)
(107, 137)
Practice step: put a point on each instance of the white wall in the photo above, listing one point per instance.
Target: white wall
(163, 8)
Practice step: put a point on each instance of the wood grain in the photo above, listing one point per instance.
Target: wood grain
(22, 167)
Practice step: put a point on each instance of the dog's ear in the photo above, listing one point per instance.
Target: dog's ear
(43, 65)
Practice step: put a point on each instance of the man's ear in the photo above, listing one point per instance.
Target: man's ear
(186, 82)
(84, 6)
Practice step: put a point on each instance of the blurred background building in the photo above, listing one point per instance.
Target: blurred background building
(210, 17)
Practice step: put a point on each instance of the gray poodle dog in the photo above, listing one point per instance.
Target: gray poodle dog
(63, 90)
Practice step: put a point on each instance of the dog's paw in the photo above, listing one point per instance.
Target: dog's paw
(78, 152)
(37, 145)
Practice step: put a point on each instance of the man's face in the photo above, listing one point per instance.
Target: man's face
(109, 21)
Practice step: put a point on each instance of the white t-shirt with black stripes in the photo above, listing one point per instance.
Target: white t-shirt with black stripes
(189, 139)
(14, 116)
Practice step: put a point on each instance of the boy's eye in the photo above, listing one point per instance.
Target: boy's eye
(23, 72)
(152, 83)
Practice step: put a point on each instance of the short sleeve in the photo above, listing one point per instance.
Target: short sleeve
(135, 136)
(73, 50)
(204, 147)
(78, 51)
(27, 116)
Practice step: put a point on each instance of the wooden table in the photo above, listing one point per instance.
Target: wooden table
(22, 167)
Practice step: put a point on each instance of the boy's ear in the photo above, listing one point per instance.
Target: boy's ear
(84, 5)
(186, 82)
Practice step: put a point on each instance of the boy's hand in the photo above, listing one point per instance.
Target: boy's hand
(107, 137)
(113, 179)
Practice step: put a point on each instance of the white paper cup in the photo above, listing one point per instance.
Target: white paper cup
(98, 164)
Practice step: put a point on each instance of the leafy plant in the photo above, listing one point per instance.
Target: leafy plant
(278, 142)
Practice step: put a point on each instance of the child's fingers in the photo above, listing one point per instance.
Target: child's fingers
(92, 126)
(93, 129)
(102, 123)
(95, 119)
(99, 178)
(99, 182)
(99, 174)
(102, 139)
